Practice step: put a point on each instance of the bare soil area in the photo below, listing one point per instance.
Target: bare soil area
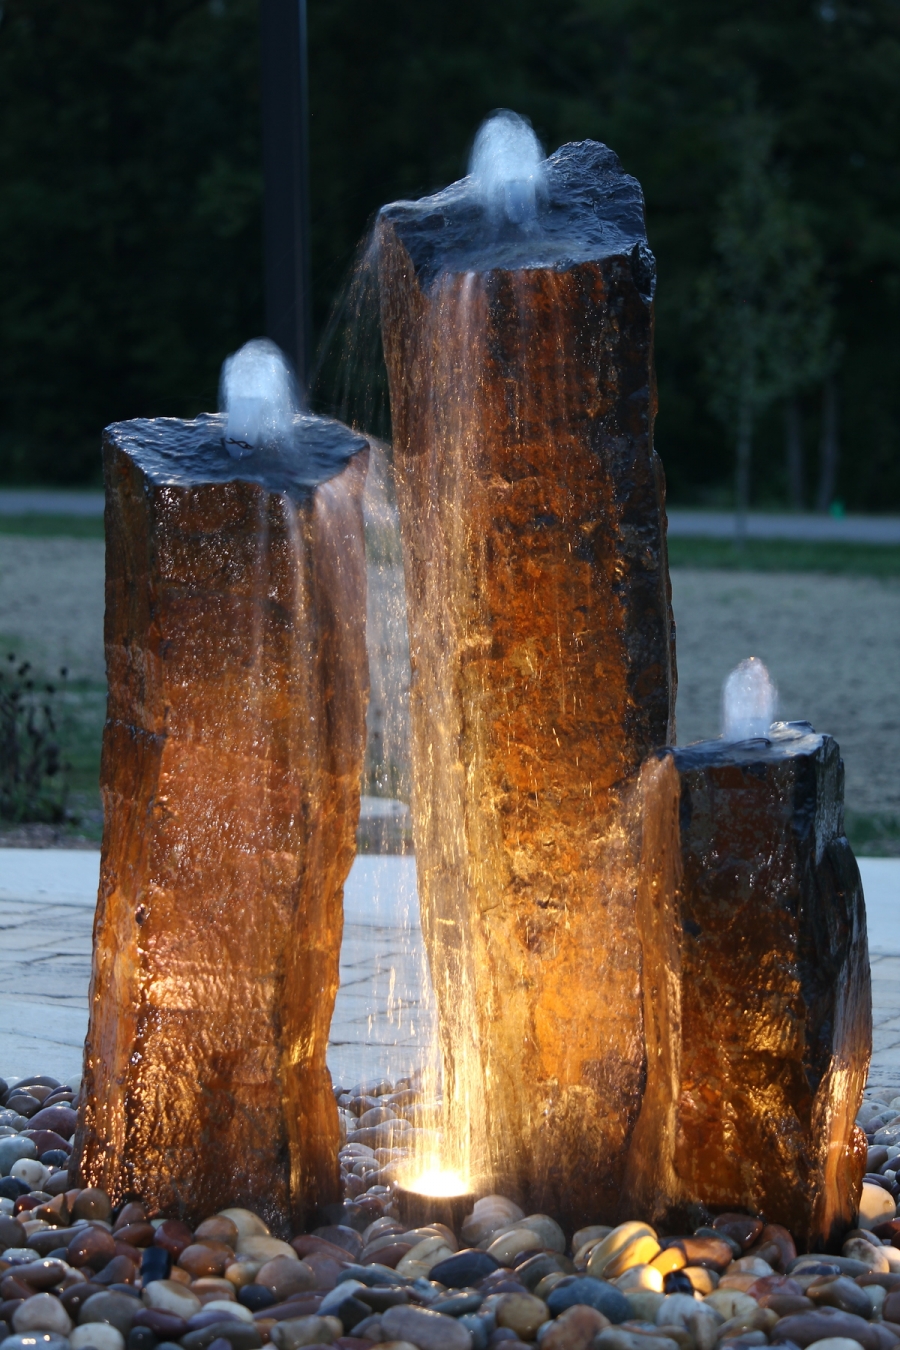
(831, 643)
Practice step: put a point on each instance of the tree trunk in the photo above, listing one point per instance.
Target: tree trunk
(829, 446)
(793, 445)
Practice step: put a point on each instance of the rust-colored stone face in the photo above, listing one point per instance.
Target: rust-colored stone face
(235, 645)
(757, 991)
(531, 507)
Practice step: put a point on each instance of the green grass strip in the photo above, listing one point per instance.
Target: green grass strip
(786, 555)
(34, 526)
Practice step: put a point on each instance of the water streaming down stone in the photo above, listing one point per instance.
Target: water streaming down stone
(541, 640)
(232, 752)
(756, 987)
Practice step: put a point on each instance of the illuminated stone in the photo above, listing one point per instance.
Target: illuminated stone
(757, 992)
(531, 511)
(235, 645)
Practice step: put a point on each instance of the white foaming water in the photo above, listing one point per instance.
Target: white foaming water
(748, 701)
(258, 391)
(506, 168)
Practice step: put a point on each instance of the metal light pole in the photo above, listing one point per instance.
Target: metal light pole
(285, 115)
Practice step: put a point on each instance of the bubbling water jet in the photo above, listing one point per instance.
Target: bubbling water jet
(258, 393)
(748, 702)
(506, 168)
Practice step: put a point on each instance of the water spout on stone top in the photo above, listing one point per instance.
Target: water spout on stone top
(258, 391)
(506, 168)
(748, 701)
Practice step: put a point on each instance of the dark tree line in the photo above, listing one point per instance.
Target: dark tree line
(765, 133)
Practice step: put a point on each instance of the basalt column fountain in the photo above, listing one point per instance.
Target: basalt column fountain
(756, 984)
(517, 315)
(235, 645)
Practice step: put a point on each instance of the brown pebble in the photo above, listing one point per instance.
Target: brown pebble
(174, 1236)
(134, 1212)
(206, 1258)
(93, 1247)
(743, 1229)
(135, 1234)
(307, 1244)
(92, 1204)
(120, 1270)
(325, 1268)
(217, 1229)
(42, 1275)
(12, 1287)
(284, 1277)
(574, 1329)
(73, 1298)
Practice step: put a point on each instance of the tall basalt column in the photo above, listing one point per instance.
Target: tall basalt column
(758, 999)
(531, 508)
(235, 645)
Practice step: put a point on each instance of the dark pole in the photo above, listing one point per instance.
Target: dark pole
(285, 116)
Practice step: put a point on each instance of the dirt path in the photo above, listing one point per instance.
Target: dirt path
(832, 645)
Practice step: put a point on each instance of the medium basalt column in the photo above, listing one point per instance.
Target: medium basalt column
(235, 647)
(532, 519)
(757, 990)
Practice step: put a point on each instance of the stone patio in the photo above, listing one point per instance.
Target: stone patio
(382, 1022)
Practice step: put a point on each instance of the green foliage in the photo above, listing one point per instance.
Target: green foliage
(130, 212)
(33, 776)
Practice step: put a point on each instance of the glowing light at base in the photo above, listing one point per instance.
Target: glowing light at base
(439, 1182)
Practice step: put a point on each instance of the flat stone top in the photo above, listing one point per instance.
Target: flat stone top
(172, 453)
(785, 741)
(592, 209)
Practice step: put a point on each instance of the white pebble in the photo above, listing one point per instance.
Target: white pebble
(98, 1334)
(32, 1172)
(876, 1205)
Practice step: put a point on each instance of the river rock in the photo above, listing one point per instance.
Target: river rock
(234, 741)
(92, 1247)
(119, 1310)
(531, 509)
(299, 1331)
(174, 1236)
(522, 1313)
(12, 1148)
(838, 1291)
(823, 1324)
(285, 1276)
(745, 856)
(597, 1294)
(170, 1297)
(618, 1338)
(98, 1335)
(35, 1340)
(92, 1203)
(237, 1334)
(428, 1330)
(61, 1119)
(875, 1205)
(574, 1329)
(43, 1275)
(43, 1312)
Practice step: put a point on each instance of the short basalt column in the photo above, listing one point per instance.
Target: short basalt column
(235, 647)
(532, 519)
(757, 990)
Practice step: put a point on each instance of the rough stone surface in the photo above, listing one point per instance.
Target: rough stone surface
(541, 644)
(757, 992)
(235, 626)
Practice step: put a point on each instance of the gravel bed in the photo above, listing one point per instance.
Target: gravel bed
(76, 1272)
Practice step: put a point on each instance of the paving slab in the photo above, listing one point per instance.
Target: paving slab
(383, 1022)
